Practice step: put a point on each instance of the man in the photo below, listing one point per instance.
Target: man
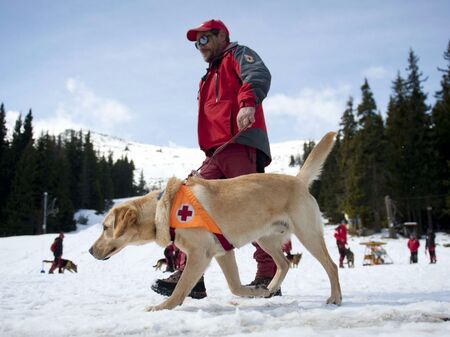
(229, 110)
(430, 245)
(57, 249)
(340, 235)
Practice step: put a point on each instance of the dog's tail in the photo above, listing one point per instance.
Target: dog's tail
(47, 261)
(313, 165)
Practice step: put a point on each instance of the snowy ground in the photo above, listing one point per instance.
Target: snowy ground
(107, 298)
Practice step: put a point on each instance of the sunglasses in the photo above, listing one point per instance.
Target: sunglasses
(202, 41)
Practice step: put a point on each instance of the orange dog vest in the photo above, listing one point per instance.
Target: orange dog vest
(187, 212)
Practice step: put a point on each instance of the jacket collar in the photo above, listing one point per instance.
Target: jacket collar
(216, 60)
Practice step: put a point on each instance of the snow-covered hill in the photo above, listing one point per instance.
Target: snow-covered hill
(159, 163)
(107, 298)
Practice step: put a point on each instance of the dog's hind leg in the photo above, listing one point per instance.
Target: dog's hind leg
(227, 263)
(311, 236)
(272, 246)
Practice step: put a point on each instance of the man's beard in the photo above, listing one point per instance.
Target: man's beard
(210, 55)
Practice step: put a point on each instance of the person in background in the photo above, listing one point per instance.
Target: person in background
(340, 234)
(230, 113)
(169, 253)
(57, 250)
(413, 245)
(430, 245)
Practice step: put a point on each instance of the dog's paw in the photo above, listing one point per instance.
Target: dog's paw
(261, 291)
(152, 308)
(337, 300)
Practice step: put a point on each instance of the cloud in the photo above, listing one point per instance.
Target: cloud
(375, 72)
(86, 110)
(314, 111)
(11, 118)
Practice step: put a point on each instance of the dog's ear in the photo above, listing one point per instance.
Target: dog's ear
(125, 218)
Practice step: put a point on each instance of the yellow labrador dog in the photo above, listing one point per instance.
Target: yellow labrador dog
(265, 208)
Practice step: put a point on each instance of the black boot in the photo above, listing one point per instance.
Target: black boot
(166, 286)
(263, 282)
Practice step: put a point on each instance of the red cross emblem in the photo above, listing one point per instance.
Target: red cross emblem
(185, 213)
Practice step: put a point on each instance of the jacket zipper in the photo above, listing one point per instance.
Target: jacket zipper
(216, 79)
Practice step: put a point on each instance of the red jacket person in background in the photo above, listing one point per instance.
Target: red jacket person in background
(57, 250)
(340, 235)
(413, 245)
(230, 109)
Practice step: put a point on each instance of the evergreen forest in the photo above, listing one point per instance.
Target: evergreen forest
(66, 169)
(383, 172)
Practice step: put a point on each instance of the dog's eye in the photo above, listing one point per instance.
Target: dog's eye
(105, 228)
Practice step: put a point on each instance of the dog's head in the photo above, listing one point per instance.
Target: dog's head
(130, 223)
(74, 267)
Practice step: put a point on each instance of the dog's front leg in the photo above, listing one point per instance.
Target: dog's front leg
(197, 262)
(227, 263)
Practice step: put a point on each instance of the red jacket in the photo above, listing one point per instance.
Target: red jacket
(235, 79)
(341, 234)
(413, 245)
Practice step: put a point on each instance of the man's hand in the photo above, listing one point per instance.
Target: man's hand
(245, 117)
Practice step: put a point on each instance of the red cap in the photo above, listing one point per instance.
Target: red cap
(206, 26)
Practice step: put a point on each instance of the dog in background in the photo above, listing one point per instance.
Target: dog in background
(350, 257)
(160, 263)
(65, 265)
(294, 259)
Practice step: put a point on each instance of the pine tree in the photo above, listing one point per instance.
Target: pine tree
(23, 206)
(441, 134)
(330, 187)
(398, 138)
(292, 161)
(8, 168)
(106, 183)
(411, 165)
(91, 196)
(367, 167)
(4, 148)
(3, 132)
(123, 180)
(141, 188)
(52, 176)
(17, 146)
(62, 220)
(27, 135)
(4, 170)
(345, 156)
(74, 154)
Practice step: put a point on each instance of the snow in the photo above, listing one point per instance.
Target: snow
(107, 298)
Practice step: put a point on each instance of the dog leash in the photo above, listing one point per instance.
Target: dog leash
(216, 152)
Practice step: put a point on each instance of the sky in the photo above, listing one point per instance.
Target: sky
(125, 68)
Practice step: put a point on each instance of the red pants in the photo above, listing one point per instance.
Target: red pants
(341, 248)
(56, 264)
(233, 161)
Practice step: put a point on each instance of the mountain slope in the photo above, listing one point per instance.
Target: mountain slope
(159, 163)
